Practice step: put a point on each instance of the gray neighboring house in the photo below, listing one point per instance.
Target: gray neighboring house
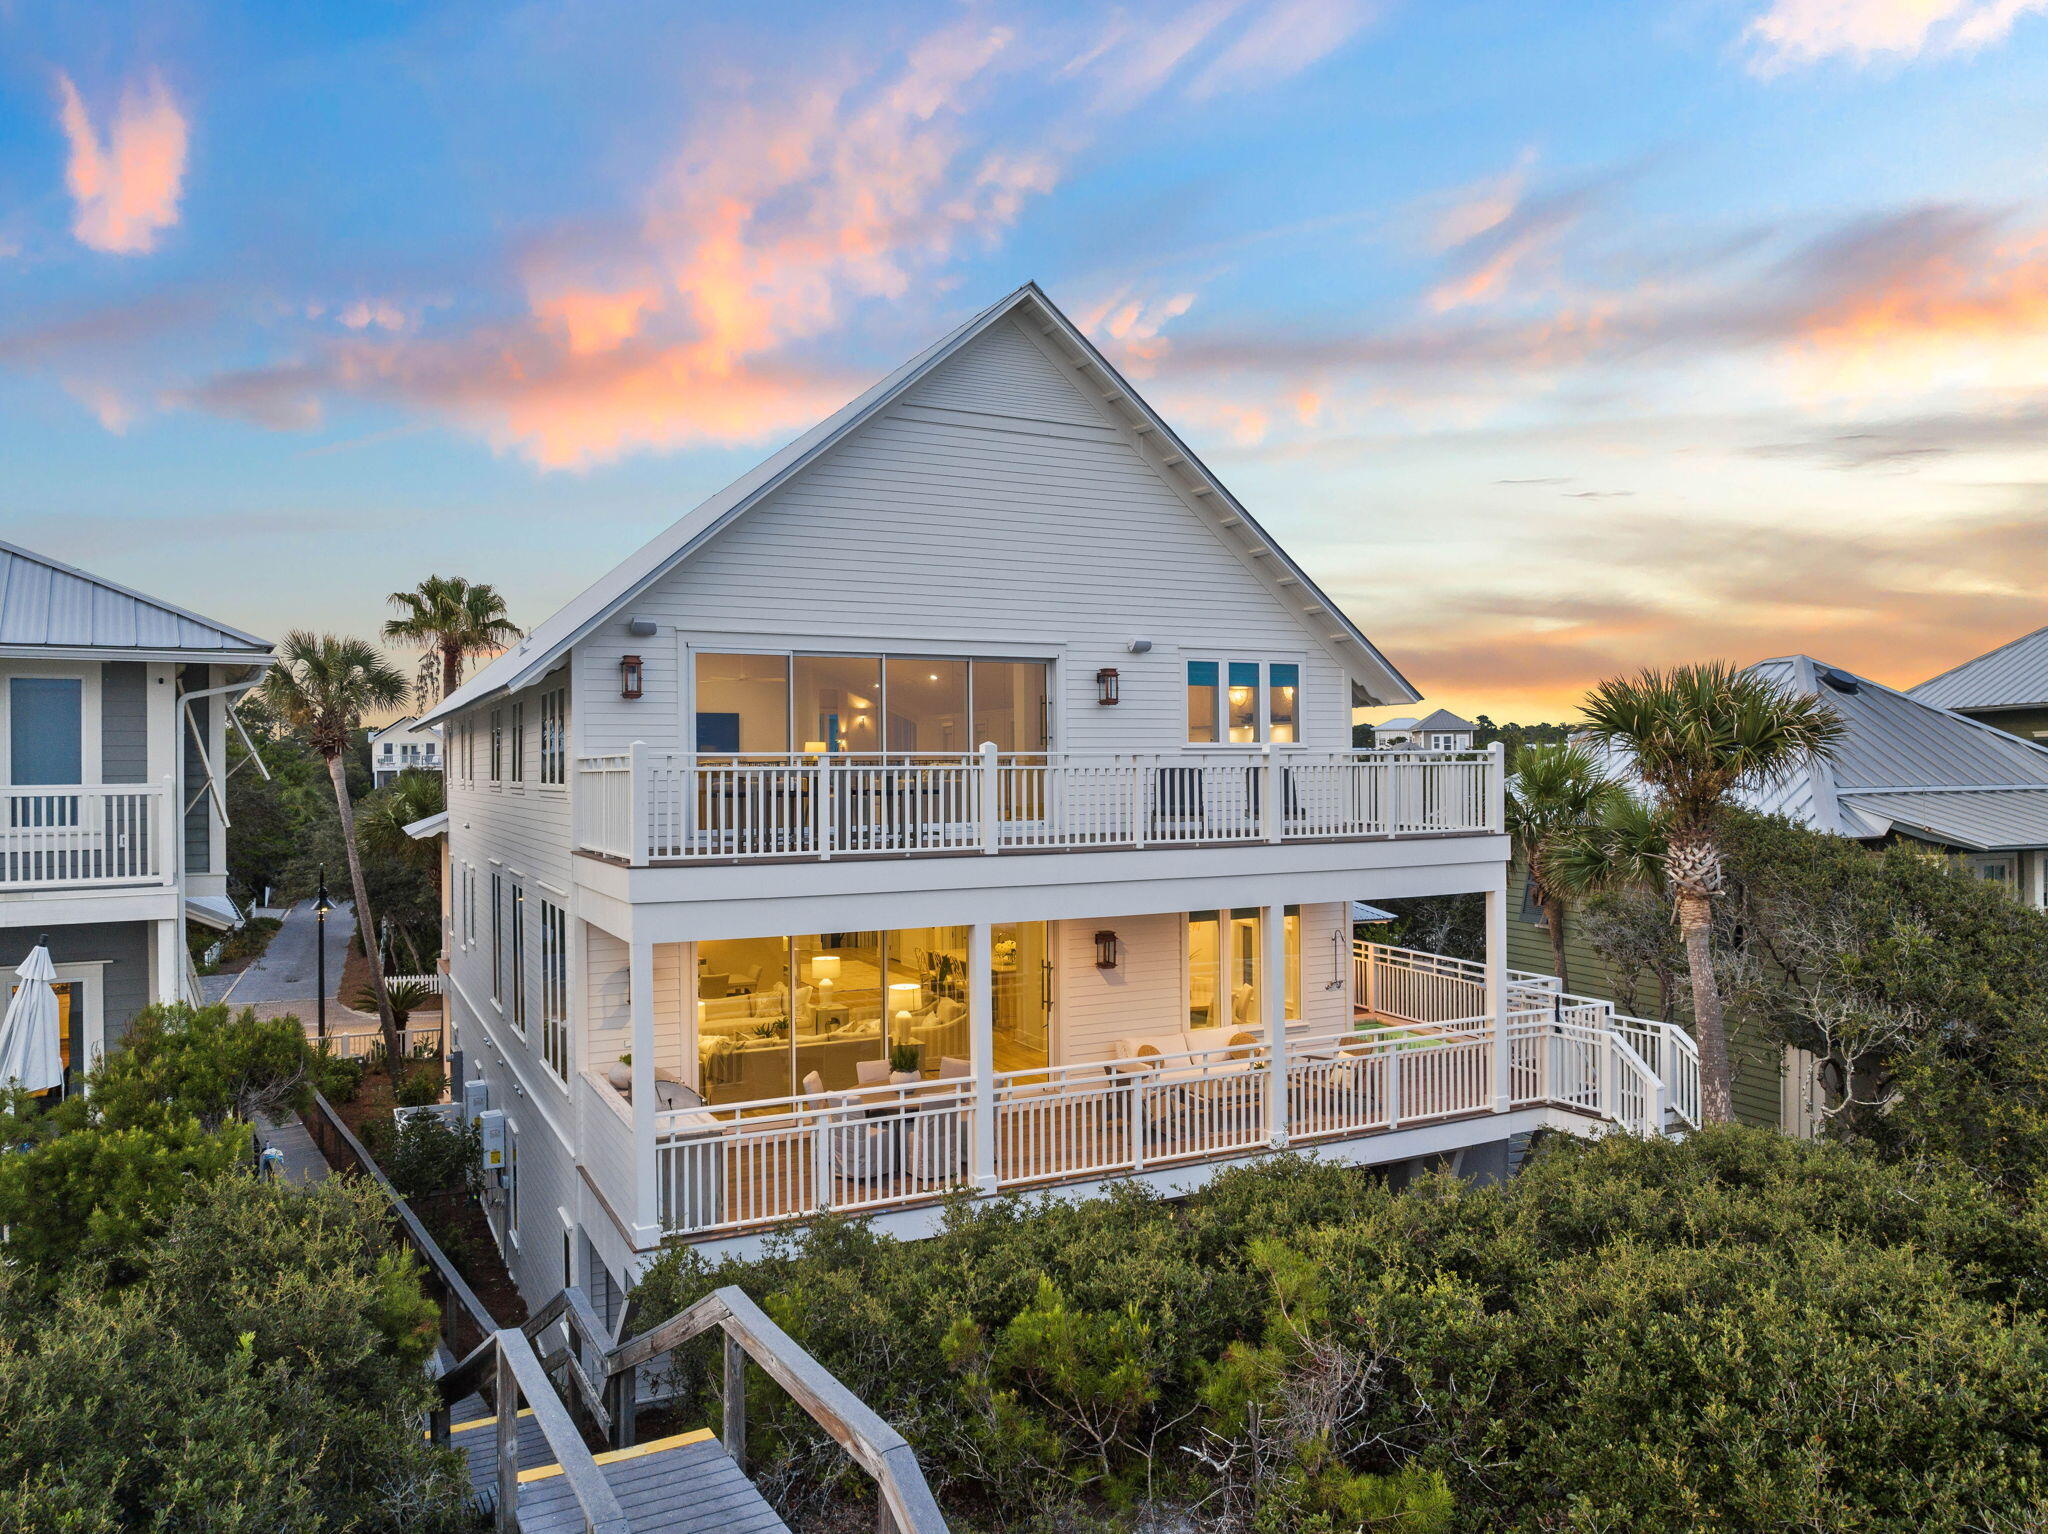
(114, 710)
(1910, 771)
(1440, 731)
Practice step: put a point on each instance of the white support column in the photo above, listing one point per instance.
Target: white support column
(981, 1050)
(1497, 988)
(640, 1005)
(169, 972)
(1273, 1013)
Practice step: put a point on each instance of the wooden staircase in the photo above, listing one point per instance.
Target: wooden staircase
(511, 1408)
(687, 1484)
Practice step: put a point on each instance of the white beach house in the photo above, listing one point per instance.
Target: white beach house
(963, 799)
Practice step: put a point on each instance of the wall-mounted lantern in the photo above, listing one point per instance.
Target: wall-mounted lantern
(1106, 685)
(632, 676)
(1105, 950)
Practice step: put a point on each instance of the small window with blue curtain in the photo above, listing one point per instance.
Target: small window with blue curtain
(1204, 684)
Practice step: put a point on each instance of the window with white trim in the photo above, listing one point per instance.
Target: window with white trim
(1243, 702)
(497, 939)
(554, 735)
(518, 762)
(497, 745)
(554, 987)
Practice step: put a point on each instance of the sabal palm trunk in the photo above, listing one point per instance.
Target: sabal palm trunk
(1695, 925)
(366, 924)
(1553, 917)
(451, 667)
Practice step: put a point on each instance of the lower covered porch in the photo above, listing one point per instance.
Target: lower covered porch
(879, 1070)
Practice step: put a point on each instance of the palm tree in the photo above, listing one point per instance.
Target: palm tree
(1699, 735)
(322, 685)
(1557, 795)
(452, 619)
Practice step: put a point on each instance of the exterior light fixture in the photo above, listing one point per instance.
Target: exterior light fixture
(1106, 685)
(632, 676)
(1105, 950)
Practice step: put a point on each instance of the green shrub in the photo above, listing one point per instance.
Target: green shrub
(427, 1155)
(207, 1063)
(1738, 1331)
(419, 1086)
(338, 1079)
(261, 1369)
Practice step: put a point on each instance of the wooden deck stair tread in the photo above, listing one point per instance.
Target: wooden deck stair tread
(684, 1485)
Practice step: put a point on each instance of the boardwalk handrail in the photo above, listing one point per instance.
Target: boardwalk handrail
(415, 1233)
(857, 1428)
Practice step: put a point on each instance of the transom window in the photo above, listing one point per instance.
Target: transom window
(1243, 702)
(856, 704)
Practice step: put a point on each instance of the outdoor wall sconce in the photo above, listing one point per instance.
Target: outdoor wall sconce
(1106, 685)
(632, 676)
(1105, 950)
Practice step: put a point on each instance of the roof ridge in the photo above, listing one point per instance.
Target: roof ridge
(1975, 659)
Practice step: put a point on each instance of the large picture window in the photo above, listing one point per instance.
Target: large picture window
(862, 704)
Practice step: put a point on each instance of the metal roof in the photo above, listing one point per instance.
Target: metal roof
(1906, 764)
(1374, 679)
(2015, 675)
(48, 605)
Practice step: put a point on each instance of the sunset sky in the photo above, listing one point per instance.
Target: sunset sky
(1552, 339)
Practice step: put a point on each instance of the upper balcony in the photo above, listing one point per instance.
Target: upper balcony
(644, 807)
(88, 836)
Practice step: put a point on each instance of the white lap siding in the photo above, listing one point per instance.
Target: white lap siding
(997, 511)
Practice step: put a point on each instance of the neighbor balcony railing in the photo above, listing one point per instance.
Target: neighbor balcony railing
(58, 836)
(642, 805)
(739, 1166)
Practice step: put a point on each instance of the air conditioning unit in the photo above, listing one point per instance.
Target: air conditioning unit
(445, 1112)
(491, 1127)
(476, 1097)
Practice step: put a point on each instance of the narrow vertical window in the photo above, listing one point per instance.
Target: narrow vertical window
(497, 745)
(1283, 703)
(554, 736)
(554, 988)
(1203, 676)
(518, 977)
(1244, 702)
(498, 939)
(518, 753)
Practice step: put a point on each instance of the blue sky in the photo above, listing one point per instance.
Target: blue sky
(1553, 339)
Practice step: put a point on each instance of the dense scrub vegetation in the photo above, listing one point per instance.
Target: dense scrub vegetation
(183, 1346)
(1740, 1331)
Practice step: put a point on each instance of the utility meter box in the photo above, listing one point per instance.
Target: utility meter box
(476, 1097)
(491, 1126)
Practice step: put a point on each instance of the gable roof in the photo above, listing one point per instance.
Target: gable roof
(1444, 719)
(1374, 679)
(2015, 675)
(46, 605)
(1904, 764)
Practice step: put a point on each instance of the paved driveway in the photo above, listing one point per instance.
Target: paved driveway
(287, 971)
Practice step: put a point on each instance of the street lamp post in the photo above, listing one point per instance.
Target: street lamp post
(321, 906)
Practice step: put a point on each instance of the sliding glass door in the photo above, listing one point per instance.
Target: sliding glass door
(828, 1011)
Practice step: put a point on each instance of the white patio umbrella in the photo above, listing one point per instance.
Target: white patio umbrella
(29, 1054)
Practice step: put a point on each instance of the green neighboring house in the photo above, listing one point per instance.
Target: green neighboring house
(1906, 771)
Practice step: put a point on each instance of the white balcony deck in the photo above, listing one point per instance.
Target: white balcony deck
(642, 807)
(90, 836)
(1424, 1057)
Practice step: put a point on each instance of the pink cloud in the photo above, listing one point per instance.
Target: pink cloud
(1796, 32)
(125, 182)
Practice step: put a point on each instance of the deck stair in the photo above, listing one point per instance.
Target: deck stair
(535, 1472)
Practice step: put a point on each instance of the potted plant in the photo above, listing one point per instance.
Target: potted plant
(904, 1064)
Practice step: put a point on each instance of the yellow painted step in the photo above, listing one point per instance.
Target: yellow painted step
(614, 1456)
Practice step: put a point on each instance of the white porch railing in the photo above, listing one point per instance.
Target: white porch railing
(743, 1165)
(644, 805)
(59, 837)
